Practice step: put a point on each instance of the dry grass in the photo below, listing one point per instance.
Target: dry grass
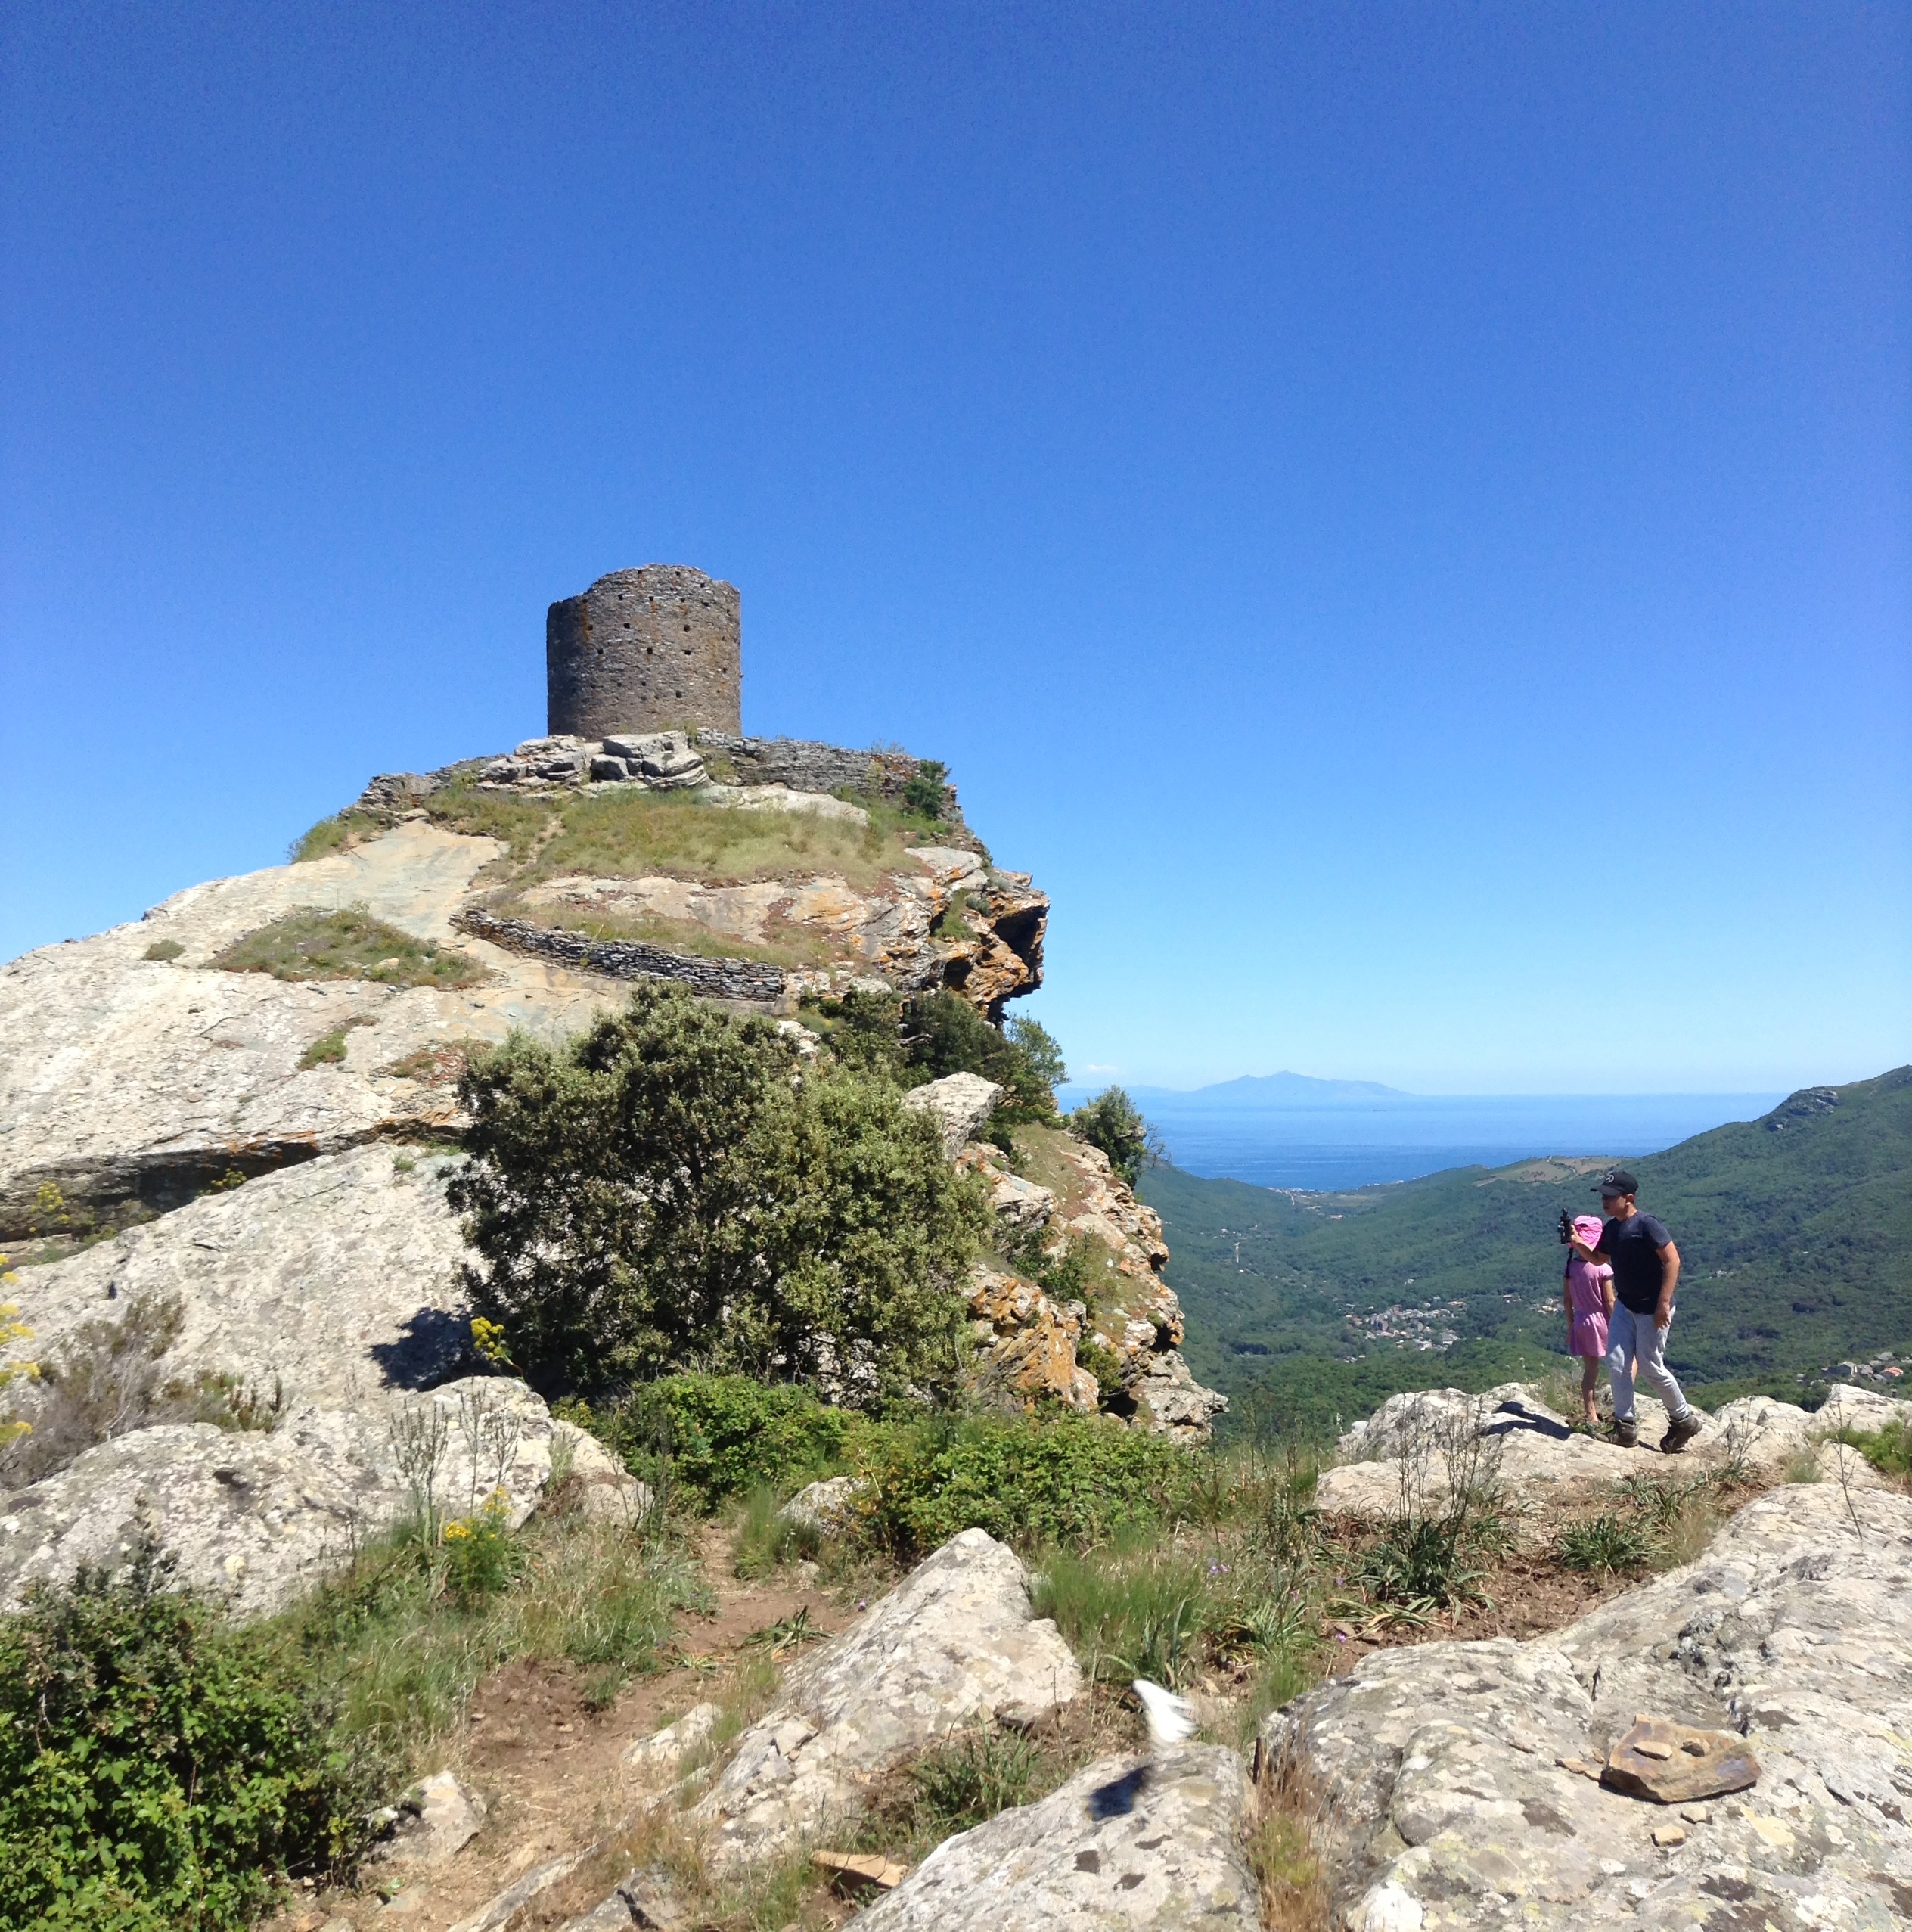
(1284, 1848)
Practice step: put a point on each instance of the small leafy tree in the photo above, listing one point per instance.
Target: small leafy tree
(1113, 1122)
(945, 1034)
(924, 792)
(673, 1191)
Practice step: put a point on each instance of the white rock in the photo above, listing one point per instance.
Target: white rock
(655, 1758)
(953, 1644)
(437, 1819)
(1795, 1629)
(1141, 1842)
(960, 1103)
(780, 798)
(820, 1507)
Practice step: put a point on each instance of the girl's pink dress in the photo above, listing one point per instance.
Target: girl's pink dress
(1587, 1287)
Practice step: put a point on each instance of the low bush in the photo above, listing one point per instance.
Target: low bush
(711, 1437)
(162, 951)
(1888, 1449)
(944, 1034)
(350, 944)
(159, 1769)
(1067, 1481)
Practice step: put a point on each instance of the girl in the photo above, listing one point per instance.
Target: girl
(1588, 1293)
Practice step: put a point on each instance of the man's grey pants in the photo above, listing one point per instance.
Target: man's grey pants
(1635, 1347)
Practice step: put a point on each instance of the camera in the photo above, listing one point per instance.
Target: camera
(1567, 1227)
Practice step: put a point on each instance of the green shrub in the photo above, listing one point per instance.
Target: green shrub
(720, 1435)
(349, 944)
(330, 835)
(665, 1192)
(1066, 1480)
(328, 1050)
(1113, 1123)
(923, 793)
(1605, 1541)
(158, 1768)
(160, 951)
(1889, 1449)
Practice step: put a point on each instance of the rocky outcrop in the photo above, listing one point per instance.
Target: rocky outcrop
(1030, 1344)
(130, 1082)
(318, 1306)
(1143, 1842)
(1454, 1778)
(953, 1644)
(1529, 1448)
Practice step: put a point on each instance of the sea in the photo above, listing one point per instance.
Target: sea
(1349, 1144)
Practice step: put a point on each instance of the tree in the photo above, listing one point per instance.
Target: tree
(673, 1190)
(1113, 1122)
(946, 1035)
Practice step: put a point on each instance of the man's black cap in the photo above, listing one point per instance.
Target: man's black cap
(1617, 1181)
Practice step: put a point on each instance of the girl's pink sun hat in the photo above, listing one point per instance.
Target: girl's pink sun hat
(1588, 1227)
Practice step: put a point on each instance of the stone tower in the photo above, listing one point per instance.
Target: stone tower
(645, 651)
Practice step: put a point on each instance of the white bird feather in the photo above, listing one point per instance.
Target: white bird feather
(1170, 1719)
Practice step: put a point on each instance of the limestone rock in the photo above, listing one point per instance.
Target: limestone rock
(1149, 1842)
(953, 1644)
(655, 1758)
(432, 1822)
(781, 798)
(1533, 1453)
(820, 1507)
(1452, 1808)
(1027, 1343)
(125, 1081)
(959, 1103)
(256, 1517)
(1173, 1402)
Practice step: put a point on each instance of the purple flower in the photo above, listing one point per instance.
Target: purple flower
(1341, 1636)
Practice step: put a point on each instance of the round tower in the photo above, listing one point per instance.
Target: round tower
(658, 649)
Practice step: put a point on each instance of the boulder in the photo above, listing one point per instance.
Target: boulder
(1152, 1842)
(959, 1103)
(433, 1822)
(953, 1644)
(819, 1507)
(1169, 1400)
(1458, 1773)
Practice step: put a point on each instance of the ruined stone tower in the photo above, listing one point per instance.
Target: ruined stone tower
(645, 651)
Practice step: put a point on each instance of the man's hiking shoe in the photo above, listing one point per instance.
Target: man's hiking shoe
(1681, 1432)
(1626, 1432)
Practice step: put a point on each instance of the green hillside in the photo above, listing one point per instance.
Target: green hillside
(1795, 1232)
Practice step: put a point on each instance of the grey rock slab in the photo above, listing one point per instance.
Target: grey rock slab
(122, 1080)
(1446, 1806)
(655, 1758)
(509, 1909)
(959, 1103)
(254, 1518)
(336, 1279)
(1130, 1842)
(953, 1644)
(821, 1506)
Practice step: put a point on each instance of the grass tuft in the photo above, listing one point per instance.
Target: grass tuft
(1609, 1541)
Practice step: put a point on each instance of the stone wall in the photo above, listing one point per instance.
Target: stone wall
(629, 959)
(641, 651)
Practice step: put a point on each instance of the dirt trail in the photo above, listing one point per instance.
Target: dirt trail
(549, 1766)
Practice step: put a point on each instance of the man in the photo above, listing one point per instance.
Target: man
(1646, 1268)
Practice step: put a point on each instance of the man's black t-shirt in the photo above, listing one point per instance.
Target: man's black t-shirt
(1633, 1245)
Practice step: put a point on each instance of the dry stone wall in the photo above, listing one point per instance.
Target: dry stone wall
(629, 959)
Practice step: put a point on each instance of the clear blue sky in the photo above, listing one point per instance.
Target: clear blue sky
(1399, 516)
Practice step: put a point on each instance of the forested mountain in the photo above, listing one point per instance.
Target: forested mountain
(1796, 1232)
